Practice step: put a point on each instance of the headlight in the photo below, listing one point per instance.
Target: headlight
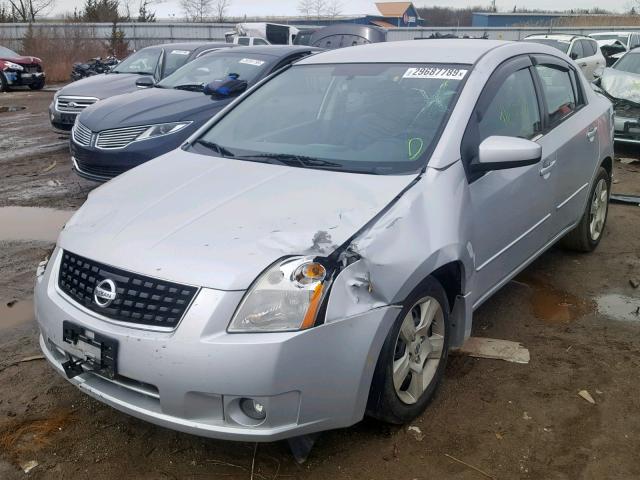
(287, 296)
(13, 66)
(162, 129)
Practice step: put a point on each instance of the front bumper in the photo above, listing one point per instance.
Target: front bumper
(18, 79)
(102, 165)
(627, 129)
(192, 379)
(61, 120)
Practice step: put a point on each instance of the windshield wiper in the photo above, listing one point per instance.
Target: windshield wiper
(194, 87)
(291, 160)
(215, 147)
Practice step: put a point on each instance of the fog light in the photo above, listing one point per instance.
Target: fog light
(252, 409)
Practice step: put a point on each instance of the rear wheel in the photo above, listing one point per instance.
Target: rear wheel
(588, 233)
(413, 357)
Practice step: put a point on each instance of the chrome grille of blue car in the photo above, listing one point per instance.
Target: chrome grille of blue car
(81, 134)
(119, 137)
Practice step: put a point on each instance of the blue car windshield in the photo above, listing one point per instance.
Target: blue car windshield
(218, 66)
(143, 62)
(370, 118)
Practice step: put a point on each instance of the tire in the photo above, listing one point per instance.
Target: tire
(37, 86)
(400, 401)
(586, 236)
(4, 86)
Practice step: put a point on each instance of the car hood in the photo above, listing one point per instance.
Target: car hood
(621, 85)
(217, 222)
(102, 86)
(148, 106)
(22, 60)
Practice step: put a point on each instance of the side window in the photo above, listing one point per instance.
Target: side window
(587, 48)
(576, 50)
(514, 109)
(634, 42)
(259, 41)
(559, 93)
(243, 41)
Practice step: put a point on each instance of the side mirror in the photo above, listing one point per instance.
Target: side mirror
(230, 87)
(574, 56)
(145, 82)
(498, 153)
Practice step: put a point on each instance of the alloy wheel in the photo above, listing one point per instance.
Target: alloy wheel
(598, 210)
(418, 349)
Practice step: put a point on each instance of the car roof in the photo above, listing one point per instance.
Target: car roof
(567, 37)
(466, 51)
(190, 45)
(276, 50)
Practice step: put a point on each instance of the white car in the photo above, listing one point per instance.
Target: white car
(629, 40)
(583, 50)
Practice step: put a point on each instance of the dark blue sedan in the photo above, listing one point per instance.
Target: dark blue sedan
(124, 131)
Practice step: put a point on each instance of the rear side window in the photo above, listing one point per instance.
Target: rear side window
(259, 41)
(588, 48)
(243, 41)
(576, 50)
(513, 112)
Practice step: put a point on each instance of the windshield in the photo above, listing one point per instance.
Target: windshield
(559, 44)
(611, 36)
(629, 63)
(142, 62)
(370, 118)
(217, 66)
(5, 52)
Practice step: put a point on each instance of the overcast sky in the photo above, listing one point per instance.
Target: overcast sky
(289, 7)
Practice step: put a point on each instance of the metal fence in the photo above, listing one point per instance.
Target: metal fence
(143, 34)
(137, 34)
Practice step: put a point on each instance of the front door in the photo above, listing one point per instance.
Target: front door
(511, 209)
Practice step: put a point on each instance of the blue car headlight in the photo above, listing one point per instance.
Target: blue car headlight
(163, 129)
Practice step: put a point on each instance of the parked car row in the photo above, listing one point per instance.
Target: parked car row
(310, 254)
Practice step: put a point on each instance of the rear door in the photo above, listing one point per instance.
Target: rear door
(510, 209)
(572, 132)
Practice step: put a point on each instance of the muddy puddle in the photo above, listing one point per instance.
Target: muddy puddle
(552, 305)
(11, 108)
(14, 313)
(32, 223)
(619, 307)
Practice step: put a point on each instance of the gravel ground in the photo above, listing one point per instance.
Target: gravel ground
(507, 420)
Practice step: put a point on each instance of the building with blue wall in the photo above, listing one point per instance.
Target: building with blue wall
(487, 19)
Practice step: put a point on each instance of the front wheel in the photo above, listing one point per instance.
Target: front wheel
(413, 357)
(39, 85)
(586, 236)
(4, 85)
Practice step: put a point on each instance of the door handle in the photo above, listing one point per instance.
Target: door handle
(583, 65)
(546, 168)
(591, 134)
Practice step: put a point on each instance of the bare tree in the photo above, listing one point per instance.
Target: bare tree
(197, 10)
(318, 8)
(334, 9)
(220, 9)
(305, 8)
(29, 10)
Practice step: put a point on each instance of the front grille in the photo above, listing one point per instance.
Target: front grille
(119, 137)
(82, 135)
(34, 68)
(71, 104)
(139, 299)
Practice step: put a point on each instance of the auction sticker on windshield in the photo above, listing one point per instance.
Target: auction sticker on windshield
(251, 61)
(435, 72)
(180, 52)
